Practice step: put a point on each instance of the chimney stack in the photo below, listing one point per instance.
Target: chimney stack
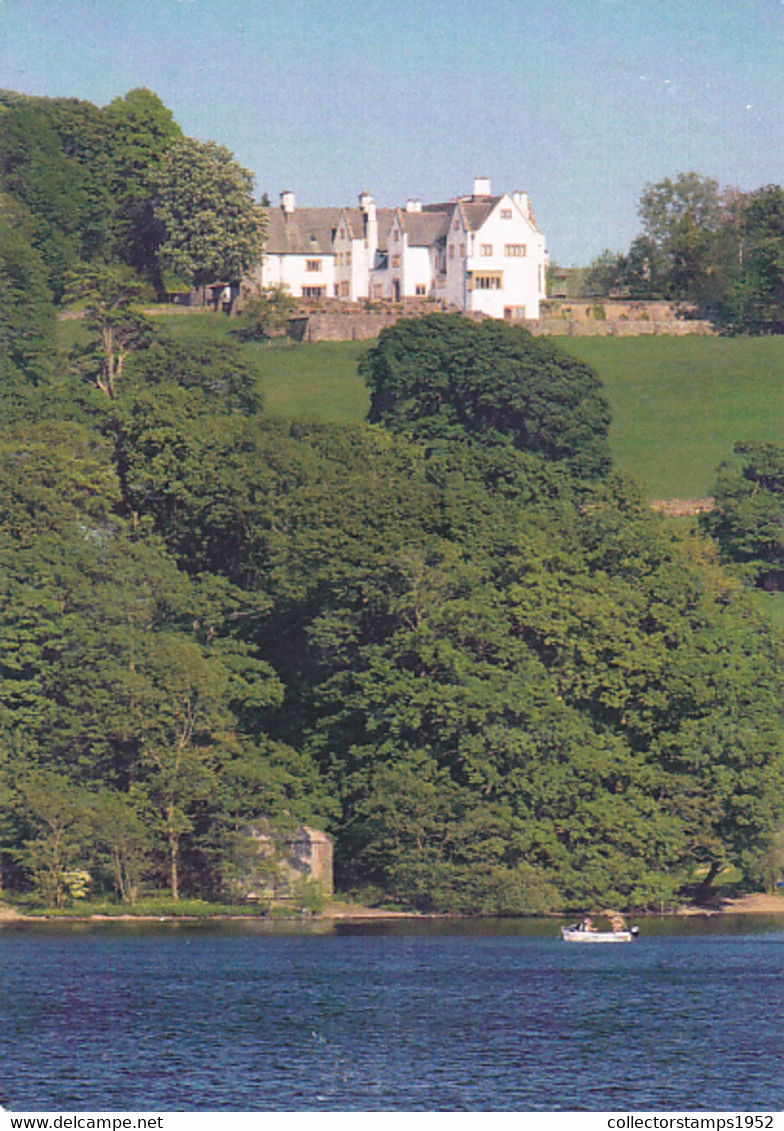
(287, 202)
(481, 187)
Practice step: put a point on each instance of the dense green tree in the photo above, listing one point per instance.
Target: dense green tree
(143, 130)
(444, 377)
(681, 217)
(36, 171)
(214, 230)
(754, 298)
(748, 519)
(27, 317)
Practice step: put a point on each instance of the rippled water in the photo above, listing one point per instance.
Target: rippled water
(494, 1016)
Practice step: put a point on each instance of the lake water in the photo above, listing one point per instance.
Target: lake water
(438, 1016)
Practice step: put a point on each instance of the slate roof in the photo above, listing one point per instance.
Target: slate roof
(475, 212)
(355, 221)
(305, 231)
(424, 228)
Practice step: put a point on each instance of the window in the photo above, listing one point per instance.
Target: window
(420, 289)
(344, 289)
(462, 250)
(487, 281)
(312, 264)
(485, 249)
(342, 233)
(451, 251)
(314, 292)
(456, 225)
(506, 213)
(395, 234)
(517, 249)
(377, 290)
(395, 260)
(514, 313)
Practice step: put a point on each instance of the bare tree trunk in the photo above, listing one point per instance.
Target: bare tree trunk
(703, 891)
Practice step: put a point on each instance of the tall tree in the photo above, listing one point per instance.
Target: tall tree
(143, 131)
(214, 228)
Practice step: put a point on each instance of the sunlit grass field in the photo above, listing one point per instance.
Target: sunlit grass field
(679, 404)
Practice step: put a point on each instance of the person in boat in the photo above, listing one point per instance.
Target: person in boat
(618, 923)
(587, 924)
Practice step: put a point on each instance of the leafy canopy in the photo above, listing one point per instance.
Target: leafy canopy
(445, 377)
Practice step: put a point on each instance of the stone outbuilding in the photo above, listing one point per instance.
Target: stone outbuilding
(284, 858)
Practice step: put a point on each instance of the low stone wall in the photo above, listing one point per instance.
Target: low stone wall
(603, 327)
(360, 327)
(347, 325)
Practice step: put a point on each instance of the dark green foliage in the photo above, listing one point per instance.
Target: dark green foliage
(722, 250)
(457, 642)
(36, 171)
(748, 520)
(755, 298)
(444, 377)
(143, 132)
(26, 318)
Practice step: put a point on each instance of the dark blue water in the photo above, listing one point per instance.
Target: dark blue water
(438, 1017)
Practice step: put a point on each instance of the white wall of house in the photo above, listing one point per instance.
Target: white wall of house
(417, 272)
(301, 274)
(498, 269)
(343, 246)
(505, 264)
(457, 249)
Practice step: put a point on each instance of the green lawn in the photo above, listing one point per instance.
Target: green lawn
(318, 380)
(679, 404)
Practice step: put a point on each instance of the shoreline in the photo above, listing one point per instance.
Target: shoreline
(757, 903)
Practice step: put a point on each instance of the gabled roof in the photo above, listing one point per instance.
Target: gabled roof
(301, 232)
(474, 212)
(355, 223)
(425, 228)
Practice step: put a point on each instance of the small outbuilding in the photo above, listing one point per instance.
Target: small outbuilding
(276, 860)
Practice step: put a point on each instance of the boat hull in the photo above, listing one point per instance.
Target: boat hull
(571, 935)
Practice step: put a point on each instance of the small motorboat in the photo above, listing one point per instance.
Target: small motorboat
(585, 932)
(575, 934)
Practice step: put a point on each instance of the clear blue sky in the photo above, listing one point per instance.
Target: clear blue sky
(580, 102)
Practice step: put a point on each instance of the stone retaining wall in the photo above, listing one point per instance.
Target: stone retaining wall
(344, 327)
(361, 326)
(601, 327)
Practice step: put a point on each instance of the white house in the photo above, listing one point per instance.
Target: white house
(476, 253)
(360, 242)
(299, 252)
(495, 255)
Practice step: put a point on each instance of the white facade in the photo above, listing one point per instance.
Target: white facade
(299, 252)
(307, 276)
(476, 253)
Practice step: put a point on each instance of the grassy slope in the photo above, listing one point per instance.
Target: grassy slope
(680, 404)
(318, 380)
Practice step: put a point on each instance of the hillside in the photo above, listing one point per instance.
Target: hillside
(678, 404)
